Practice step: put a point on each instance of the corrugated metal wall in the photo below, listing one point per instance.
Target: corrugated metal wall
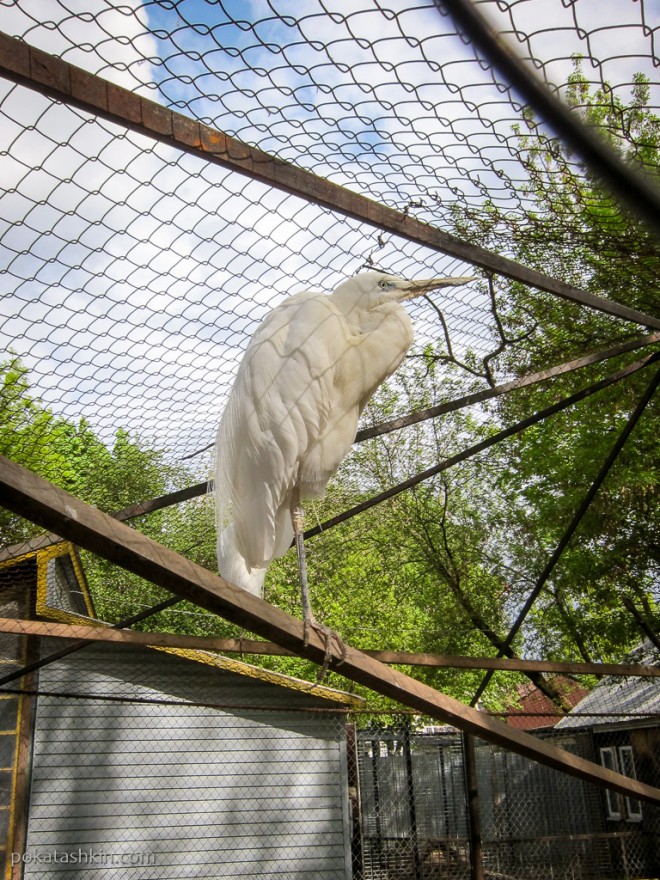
(125, 789)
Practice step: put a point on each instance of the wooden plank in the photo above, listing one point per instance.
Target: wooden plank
(55, 77)
(140, 509)
(104, 633)
(32, 497)
(23, 767)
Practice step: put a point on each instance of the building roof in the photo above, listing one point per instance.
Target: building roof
(537, 710)
(620, 701)
(57, 576)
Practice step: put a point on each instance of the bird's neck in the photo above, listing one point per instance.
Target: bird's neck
(361, 319)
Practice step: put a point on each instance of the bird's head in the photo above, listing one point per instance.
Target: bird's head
(371, 289)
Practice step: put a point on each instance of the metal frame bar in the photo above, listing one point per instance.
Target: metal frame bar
(575, 521)
(635, 189)
(490, 393)
(105, 633)
(140, 508)
(52, 76)
(505, 388)
(83, 642)
(29, 495)
(483, 445)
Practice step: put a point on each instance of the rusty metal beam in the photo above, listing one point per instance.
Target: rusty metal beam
(453, 460)
(641, 621)
(32, 497)
(58, 79)
(505, 388)
(103, 633)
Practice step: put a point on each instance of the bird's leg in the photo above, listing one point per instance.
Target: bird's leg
(308, 617)
(297, 521)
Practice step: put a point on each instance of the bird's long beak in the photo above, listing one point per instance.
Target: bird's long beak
(419, 288)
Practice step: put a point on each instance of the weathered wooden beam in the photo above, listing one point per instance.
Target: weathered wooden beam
(40, 542)
(473, 808)
(32, 497)
(55, 77)
(102, 633)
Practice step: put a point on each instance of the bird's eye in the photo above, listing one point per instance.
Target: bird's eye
(383, 285)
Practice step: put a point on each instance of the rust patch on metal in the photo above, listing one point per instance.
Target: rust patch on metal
(124, 104)
(214, 142)
(156, 118)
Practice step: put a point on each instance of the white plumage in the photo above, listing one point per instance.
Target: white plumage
(293, 411)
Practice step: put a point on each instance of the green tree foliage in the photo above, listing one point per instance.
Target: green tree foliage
(575, 231)
(111, 478)
(70, 455)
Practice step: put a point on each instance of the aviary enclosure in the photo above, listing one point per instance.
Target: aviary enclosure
(488, 551)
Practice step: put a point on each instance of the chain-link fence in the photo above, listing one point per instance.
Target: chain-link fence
(141, 762)
(533, 822)
(134, 268)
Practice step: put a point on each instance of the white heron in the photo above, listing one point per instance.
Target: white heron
(292, 414)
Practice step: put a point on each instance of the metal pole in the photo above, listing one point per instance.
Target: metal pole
(412, 806)
(473, 812)
(634, 188)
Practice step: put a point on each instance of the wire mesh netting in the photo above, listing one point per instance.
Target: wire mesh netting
(133, 274)
(535, 822)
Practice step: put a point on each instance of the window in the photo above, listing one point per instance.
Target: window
(608, 760)
(621, 760)
(627, 765)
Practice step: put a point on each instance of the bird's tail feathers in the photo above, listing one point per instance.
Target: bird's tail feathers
(232, 565)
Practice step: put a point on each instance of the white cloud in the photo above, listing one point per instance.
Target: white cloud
(84, 30)
(134, 274)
